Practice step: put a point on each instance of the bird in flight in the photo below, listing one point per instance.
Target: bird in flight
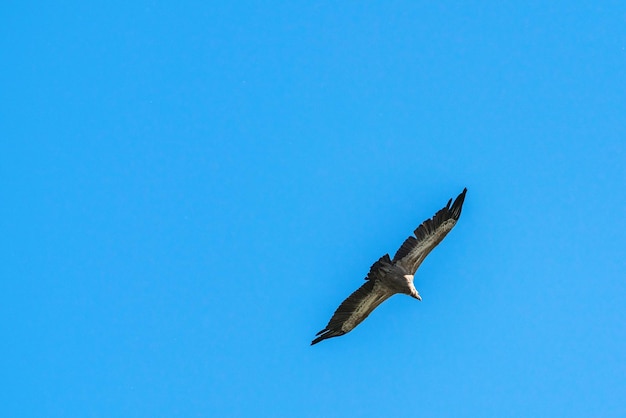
(390, 276)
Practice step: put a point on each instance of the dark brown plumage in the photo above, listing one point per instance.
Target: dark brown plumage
(390, 276)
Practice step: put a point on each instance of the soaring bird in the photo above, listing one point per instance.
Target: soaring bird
(390, 276)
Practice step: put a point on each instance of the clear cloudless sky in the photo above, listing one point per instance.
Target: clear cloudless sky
(188, 190)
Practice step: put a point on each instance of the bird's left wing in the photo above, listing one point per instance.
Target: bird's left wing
(358, 305)
(354, 310)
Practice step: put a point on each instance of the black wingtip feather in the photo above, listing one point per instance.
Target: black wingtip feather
(326, 333)
(458, 204)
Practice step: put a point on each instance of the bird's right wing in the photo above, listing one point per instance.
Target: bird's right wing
(430, 233)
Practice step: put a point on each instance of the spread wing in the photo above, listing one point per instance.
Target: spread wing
(358, 305)
(430, 233)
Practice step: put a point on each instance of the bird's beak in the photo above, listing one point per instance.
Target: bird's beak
(417, 296)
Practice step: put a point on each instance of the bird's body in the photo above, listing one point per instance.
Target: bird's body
(390, 276)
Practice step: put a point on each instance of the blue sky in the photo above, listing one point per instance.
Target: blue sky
(189, 191)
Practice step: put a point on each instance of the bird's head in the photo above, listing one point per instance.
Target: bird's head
(412, 290)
